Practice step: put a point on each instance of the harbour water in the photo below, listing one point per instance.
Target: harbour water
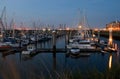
(18, 66)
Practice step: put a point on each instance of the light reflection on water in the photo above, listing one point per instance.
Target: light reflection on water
(110, 61)
(18, 66)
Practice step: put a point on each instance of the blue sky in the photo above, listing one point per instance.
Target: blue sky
(98, 12)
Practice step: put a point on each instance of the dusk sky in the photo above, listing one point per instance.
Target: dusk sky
(98, 12)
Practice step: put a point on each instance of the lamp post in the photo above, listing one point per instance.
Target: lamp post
(79, 27)
(67, 35)
(54, 39)
(110, 37)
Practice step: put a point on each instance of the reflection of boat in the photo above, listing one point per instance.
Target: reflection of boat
(30, 49)
(75, 51)
(80, 55)
(26, 57)
(84, 54)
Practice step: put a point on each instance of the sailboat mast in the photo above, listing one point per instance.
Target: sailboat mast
(86, 26)
(13, 33)
(2, 23)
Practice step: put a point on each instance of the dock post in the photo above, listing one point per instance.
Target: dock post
(36, 39)
(20, 41)
(54, 39)
(20, 44)
(66, 38)
(67, 35)
(98, 36)
(70, 34)
(29, 32)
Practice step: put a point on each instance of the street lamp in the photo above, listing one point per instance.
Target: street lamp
(68, 28)
(43, 29)
(80, 27)
(110, 37)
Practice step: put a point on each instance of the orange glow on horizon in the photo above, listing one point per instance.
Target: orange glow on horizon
(67, 28)
(114, 29)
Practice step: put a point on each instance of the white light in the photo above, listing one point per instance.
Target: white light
(93, 35)
(79, 27)
(43, 29)
(67, 28)
(1, 35)
(48, 29)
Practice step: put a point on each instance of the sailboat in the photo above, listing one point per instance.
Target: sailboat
(3, 45)
(30, 49)
(80, 41)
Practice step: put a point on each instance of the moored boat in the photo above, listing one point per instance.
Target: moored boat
(4, 46)
(30, 49)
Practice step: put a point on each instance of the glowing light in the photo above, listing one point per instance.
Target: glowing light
(110, 37)
(18, 28)
(1, 35)
(110, 62)
(110, 40)
(43, 29)
(49, 29)
(93, 35)
(27, 28)
(67, 28)
(104, 29)
(79, 27)
(110, 29)
(96, 29)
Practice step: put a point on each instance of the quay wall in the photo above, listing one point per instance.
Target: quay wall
(116, 34)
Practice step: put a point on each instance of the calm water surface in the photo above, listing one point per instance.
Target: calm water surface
(20, 66)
